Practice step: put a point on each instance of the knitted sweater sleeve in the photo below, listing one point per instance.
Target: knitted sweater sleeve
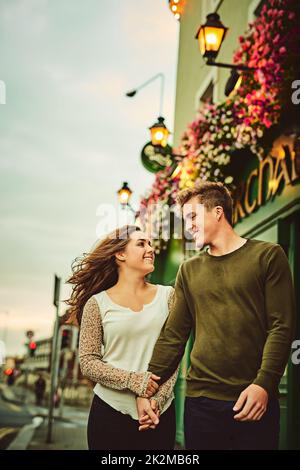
(166, 389)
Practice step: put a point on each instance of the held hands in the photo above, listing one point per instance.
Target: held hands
(152, 386)
(251, 404)
(148, 413)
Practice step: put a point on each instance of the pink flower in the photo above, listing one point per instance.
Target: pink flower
(282, 50)
(276, 39)
(267, 122)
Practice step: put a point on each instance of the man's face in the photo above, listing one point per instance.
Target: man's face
(199, 222)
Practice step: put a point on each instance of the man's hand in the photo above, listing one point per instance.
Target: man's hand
(251, 404)
(148, 413)
(152, 386)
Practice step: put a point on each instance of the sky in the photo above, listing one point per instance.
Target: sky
(69, 137)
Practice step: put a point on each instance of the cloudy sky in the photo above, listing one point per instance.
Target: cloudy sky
(69, 137)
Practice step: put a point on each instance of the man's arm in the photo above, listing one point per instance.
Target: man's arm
(280, 312)
(170, 345)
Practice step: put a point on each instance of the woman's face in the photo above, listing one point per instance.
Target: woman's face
(138, 254)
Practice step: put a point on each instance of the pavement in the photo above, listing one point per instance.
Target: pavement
(68, 428)
(66, 435)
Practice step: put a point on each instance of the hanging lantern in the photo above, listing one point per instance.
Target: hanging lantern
(159, 133)
(176, 7)
(211, 36)
(124, 194)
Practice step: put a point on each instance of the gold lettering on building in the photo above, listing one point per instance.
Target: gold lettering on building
(279, 168)
(248, 206)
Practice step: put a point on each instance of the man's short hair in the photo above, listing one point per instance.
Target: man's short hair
(210, 194)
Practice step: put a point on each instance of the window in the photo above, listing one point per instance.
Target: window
(207, 92)
(255, 8)
(208, 95)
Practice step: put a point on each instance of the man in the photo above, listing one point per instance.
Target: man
(39, 387)
(237, 298)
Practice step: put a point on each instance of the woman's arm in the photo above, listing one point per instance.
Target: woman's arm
(165, 390)
(90, 357)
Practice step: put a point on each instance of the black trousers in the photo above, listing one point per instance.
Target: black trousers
(209, 425)
(109, 429)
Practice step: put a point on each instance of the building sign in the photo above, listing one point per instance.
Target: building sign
(154, 160)
(279, 169)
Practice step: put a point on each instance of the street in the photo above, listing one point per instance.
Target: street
(12, 418)
(14, 415)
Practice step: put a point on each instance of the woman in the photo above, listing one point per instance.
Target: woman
(121, 316)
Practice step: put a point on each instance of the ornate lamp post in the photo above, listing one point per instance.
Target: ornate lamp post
(124, 194)
(210, 37)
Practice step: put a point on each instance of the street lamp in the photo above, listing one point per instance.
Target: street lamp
(132, 93)
(176, 7)
(159, 133)
(210, 37)
(124, 195)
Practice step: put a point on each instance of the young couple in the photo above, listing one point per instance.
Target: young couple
(236, 298)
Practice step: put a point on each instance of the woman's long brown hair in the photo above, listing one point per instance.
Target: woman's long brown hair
(96, 271)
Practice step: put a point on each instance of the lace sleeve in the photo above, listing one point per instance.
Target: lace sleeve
(171, 299)
(90, 357)
(165, 390)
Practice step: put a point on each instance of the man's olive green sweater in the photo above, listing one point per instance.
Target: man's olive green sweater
(241, 309)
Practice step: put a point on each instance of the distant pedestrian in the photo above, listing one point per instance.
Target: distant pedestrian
(39, 387)
(11, 379)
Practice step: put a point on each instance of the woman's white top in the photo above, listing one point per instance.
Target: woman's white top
(128, 341)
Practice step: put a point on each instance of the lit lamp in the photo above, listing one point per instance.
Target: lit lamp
(124, 194)
(176, 7)
(159, 133)
(211, 36)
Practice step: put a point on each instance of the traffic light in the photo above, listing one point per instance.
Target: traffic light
(32, 348)
(9, 372)
(66, 339)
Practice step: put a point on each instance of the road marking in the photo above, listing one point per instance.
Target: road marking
(14, 407)
(32, 410)
(25, 435)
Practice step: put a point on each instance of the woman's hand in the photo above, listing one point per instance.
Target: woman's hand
(148, 413)
(152, 386)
